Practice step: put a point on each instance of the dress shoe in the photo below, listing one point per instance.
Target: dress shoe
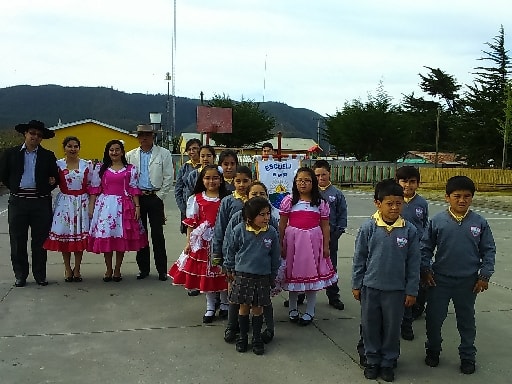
(337, 303)
(306, 319)
(20, 283)
(294, 316)
(208, 316)
(142, 275)
(193, 292)
(162, 277)
(117, 279)
(42, 283)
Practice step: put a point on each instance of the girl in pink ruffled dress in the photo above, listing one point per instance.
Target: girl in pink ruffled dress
(114, 210)
(304, 233)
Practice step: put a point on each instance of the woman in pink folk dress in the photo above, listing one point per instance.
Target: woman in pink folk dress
(193, 269)
(70, 226)
(304, 233)
(114, 210)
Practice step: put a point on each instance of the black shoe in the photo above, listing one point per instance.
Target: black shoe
(162, 276)
(241, 344)
(407, 332)
(467, 367)
(258, 347)
(106, 279)
(371, 371)
(337, 303)
(229, 335)
(20, 283)
(303, 321)
(42, 283)
(295, 317)
(117, 279)
(267, 335)
(208, 318)
(432, 358)
(142, 275)
(223, 313)
(193, 292)
(387, 374)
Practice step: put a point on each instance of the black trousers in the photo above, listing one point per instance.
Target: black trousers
(36, 214)
(152, 209)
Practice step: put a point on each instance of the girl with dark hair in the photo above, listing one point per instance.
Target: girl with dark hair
(193, 269)
(228, 161)
(70, 225)
(114, 210)
(252, 261)
(304, 234)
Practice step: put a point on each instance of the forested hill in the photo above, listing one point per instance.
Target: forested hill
(49, 103)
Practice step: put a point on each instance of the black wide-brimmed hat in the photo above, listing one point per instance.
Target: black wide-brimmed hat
(34, 124)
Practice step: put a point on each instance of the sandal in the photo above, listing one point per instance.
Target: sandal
(293, 318)
(77, 279)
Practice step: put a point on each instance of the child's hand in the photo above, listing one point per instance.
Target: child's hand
(137, 213)
(283, 253)
(186, 250)
(409, 300)
(480, 286)
(327, 252)
(357, 294)
(428, 279)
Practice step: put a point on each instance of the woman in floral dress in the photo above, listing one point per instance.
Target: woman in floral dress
(114, 210)
(70, 226)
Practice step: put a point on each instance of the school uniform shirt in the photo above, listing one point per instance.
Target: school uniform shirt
(337, 208)
(458, 248)
(251, 251)
(229, 205)
(415, 211)
(387, 257)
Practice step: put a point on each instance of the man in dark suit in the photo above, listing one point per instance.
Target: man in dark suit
(30, 172)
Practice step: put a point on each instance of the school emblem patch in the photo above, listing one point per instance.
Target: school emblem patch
(419, 212)
(332, 199)
(475, 231)
(267, 243)
(401, 242)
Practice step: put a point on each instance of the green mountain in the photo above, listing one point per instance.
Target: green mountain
(51, 103)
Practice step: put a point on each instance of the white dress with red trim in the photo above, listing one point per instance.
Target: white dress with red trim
(113, 225)
(194, 270)
(70, 225)
(306, 268)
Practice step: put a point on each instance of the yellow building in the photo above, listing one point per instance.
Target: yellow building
(93, 136)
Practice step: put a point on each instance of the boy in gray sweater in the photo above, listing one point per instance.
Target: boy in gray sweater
(385, 278)
(463, 263)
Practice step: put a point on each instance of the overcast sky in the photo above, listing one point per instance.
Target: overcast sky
(308, 54)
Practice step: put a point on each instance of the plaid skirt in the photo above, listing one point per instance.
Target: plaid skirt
(250, 289)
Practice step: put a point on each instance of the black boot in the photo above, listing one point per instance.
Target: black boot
(268, 314)
(258, 347)
(242, 340)
(232, 326)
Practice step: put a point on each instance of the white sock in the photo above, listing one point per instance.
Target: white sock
(310, 304)
(210, 303)
(224, 304)
(292, 299)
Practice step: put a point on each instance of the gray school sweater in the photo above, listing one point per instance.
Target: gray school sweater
(250, 253)
(337, 209)
(228, 207)
(388, 261)
(416, 212)
(461, 250)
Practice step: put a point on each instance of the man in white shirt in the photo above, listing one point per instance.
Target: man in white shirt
(156, 173)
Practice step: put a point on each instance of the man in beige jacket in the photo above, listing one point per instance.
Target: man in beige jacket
(156, 174)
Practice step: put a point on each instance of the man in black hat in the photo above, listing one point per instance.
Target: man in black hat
(156, 174)
(30, 172)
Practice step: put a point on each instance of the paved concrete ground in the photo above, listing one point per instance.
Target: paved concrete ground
(151, 332)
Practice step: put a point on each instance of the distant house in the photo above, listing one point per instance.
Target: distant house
(289, 145)
(93, 136)
(444, 159)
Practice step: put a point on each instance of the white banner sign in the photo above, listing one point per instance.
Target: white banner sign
(277, 176)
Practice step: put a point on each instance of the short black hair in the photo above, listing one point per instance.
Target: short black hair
(244, 170)
(209, 148)
(322, 164)
(200, 187)
(407, 172)
(227, 153)
(256, 182)
(192, 141)
(267, 144)
(387, 187)
(460, 183)
(253, 207)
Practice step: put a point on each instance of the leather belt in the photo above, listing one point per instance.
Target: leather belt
(149, 193)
